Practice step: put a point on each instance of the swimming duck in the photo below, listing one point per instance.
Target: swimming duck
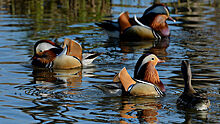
(152, 25)
(190, 99)
(146, 80)
(50, 55)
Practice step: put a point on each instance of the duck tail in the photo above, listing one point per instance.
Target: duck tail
(88, 58)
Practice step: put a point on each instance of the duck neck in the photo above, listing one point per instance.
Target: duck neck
(151, 75)
(188, 86)
(187, 76)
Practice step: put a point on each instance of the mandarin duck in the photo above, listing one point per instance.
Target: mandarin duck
(152, 25)
(191, 99)
(146, 80)
(48, 54)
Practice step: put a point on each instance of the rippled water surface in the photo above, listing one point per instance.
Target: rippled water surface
(29, 95)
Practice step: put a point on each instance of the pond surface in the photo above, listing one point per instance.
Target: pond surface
(29, 95)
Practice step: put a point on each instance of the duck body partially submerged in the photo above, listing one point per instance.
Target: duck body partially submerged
(48, 54)
(190, 98)
(146, 80)
(152, 25)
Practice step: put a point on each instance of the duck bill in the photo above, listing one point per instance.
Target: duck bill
(170, 18)
(161, 61)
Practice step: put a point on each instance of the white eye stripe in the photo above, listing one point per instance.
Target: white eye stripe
(146, 60)
(44, 46)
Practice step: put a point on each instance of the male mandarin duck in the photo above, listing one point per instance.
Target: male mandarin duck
(152, 25)
(50, 55)
(190, 99)
(146, 80)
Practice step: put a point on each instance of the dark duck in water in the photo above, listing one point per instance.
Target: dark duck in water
(190, 99)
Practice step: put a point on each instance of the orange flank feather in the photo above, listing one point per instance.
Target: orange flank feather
(126, 79)
(123, 21)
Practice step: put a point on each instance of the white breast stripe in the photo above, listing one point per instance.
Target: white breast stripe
(158, 91)
(156, 35)
(144, 82)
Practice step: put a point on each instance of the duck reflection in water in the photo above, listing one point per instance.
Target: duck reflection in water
(47, 81)
(158, 47)
(191, 115)
(145, 110)
(49, 87)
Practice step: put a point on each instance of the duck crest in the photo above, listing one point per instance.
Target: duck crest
(44, 41)
(158, 10)
(138, 64)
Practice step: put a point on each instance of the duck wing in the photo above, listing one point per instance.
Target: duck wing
(73, 48)
(109, 25)
(111, 89)
(195, 101)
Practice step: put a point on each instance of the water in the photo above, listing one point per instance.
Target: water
(29, 95)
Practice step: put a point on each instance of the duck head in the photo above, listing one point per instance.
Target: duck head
(145, 70)
(45, 51)
(156, 17)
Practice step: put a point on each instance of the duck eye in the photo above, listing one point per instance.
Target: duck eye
(152, 58)
(41, 50)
